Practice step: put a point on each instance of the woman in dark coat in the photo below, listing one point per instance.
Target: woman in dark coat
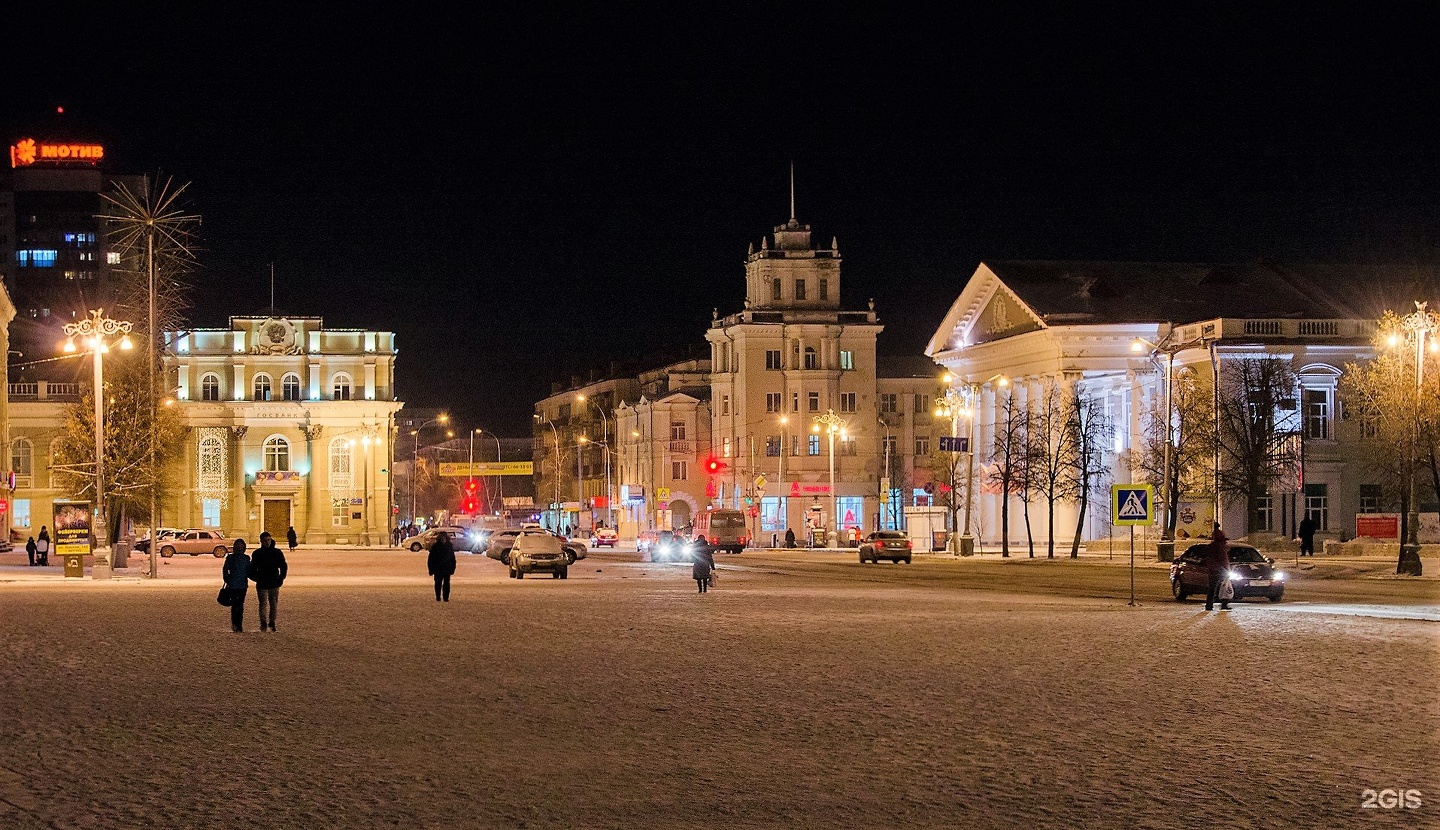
(291, 538)
(237, 579)
(704, 563)
(442, 565)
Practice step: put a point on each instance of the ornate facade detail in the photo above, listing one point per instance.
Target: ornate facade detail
(275, 336)
(211, 463)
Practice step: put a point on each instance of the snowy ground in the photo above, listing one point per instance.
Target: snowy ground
(801, 692)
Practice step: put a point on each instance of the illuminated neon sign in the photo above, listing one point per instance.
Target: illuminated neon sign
(28, 151)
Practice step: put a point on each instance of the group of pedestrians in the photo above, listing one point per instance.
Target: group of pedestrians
(267, 569)
(38, 550)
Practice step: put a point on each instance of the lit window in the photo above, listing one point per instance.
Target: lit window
(341, 387)
(772, 446)
(726, 450)
(210, 387)
(340, 476)
(340, 513)
(814, 444)
(112, 257)
(262, 387)
(210, 512)
(1317, 505)
(277, 454)
(22, 512)
(36, 258)
(290, 386)
(847, 359)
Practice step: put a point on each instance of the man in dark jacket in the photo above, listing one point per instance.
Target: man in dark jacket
(267, 570)
(1306, 531)
(704, 563)
(235, 573)
(1217, 568)
(441, 564)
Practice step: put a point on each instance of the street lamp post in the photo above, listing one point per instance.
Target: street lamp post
(499, 477)
(1419, 324)
(555, 433)
(95, 330)
(415, 459)
(833, 425)
(579, 478)
(1165, 551)
(605, 435)
(957, 403)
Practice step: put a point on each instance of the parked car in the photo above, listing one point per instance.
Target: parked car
(1251, 574)
(142, 545)
(885, 544)
(604, 537)
(196, 543)
(532, 552)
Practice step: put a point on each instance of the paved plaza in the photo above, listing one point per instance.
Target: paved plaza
(805, 690)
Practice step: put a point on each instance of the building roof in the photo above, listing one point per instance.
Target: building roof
(906, 366)
(1139, 292)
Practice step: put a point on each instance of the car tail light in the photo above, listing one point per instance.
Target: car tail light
(743, 540)
(909, 544)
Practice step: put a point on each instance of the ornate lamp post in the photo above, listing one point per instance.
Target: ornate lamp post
(958, 402)
(1419, 325)
(1165, 551)
(98, 333)
(832, 425)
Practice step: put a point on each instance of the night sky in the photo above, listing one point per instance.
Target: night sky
(526, 196)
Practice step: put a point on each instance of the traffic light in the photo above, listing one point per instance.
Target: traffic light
(714, 466)
(470, 502)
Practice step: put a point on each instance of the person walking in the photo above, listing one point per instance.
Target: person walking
(1217, 567)
(291, 538)
(237, 578)
(267, 570)
(704, 563)
(1307, 536)
(30, 549)
(789, 537)
(42, 546)
(442, 565)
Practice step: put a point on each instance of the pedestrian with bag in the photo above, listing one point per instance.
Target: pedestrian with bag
(1306, 531)
(704, 564)
(236, 574)
(30, 549)
(1217, 570)
(291, 538)
(441, 564)
(268, 570)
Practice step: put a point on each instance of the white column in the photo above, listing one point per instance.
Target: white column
(238, 392)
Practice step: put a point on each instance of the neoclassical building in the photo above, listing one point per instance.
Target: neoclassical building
(1034, 322)
(287, 423)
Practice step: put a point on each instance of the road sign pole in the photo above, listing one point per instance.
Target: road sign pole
(1132, 565)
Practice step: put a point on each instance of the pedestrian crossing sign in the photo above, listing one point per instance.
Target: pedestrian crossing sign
(1132, 504)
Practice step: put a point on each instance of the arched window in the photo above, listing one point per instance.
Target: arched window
(262, 387)
(290, 385)
(812, 360)
(210, 387)
(341, 387)
(277, 454)
(22, 457)
(341, 478)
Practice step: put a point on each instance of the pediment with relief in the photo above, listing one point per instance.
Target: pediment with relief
(1002, 317)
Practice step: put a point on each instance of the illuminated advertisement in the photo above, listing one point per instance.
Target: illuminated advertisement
(72, 527)
(28, 151)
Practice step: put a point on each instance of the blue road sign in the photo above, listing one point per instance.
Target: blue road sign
(954, 443)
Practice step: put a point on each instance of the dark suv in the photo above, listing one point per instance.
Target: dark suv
(1251, 574)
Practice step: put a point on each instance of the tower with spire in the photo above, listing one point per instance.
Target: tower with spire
(791, 356)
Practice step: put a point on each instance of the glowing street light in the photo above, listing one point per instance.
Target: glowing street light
(832, 425)
(98, 332)
(960, 401)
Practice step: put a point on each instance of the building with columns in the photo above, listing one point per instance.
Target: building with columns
(1036, 322)
(287, 423)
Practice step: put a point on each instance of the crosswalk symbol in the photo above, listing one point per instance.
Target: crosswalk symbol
(1132, 504)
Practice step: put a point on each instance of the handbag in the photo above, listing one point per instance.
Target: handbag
(225, 597)
(1227, 590)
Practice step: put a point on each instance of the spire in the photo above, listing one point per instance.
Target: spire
(792, 192)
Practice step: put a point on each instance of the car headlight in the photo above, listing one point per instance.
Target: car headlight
(1237, 575)
(1279, 575)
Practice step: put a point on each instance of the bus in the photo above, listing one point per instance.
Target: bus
(724, 529)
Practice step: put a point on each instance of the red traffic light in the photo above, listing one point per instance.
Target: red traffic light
(471, 486)
(714, 466)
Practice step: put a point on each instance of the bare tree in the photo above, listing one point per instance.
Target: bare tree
(1192, 430)
(1256, 414)
(1049, 450)
(1008, 453)
(1089, 431)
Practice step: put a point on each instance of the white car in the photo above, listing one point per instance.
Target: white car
(196, 543)
(604, 537)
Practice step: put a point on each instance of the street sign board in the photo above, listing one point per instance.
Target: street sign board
(1132, 504)
(954, 443)
(662, 493)
(459, 469)
(760, 482)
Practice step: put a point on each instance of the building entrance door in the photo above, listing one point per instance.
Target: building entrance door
(276, 518)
